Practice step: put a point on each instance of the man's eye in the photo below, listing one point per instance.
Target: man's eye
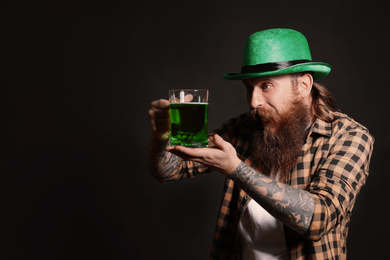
(267, 86)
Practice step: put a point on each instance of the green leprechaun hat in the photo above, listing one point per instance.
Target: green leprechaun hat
(276, 52)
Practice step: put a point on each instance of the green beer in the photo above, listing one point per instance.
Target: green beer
(189, 124)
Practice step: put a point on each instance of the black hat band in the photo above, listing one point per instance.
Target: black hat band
(271, 66)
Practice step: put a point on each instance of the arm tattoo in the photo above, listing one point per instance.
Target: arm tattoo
(161, 162)
(293, 207)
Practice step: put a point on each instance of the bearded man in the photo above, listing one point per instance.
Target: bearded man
(293, 164)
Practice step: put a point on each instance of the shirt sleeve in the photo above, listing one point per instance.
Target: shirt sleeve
(337, 183)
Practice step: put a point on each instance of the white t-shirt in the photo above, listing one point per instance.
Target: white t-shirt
(262, 235)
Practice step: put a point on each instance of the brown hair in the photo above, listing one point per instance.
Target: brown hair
(323, 102)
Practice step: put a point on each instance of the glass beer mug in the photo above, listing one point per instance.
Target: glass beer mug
(188, 109)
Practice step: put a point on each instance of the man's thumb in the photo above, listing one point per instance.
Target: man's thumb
(218, 141)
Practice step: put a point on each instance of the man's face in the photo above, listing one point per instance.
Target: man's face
(280, 120)
(271, 97)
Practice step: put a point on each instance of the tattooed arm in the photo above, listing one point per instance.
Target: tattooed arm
(291, 206)
(162, 163)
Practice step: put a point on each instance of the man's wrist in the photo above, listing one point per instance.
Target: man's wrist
(241, 165)
(157, 144)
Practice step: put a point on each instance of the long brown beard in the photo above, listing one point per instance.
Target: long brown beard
(276, 151)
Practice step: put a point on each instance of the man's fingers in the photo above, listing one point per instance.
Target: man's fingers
(188, 98)
(159, 109)
(186, 152)
(159, 116)
(220, 142)
(198, 152)
(177, 151)
(157, 113)
(161, 104)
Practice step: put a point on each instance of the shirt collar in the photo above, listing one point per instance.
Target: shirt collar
(321, 127)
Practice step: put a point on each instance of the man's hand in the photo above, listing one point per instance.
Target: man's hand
(160, 118)
(222, 157)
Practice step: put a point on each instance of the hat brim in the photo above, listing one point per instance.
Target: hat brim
(318, 70)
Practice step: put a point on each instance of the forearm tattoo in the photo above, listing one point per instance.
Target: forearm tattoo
(291, 206)
(161, 162)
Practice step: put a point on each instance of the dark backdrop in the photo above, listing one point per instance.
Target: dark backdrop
(77, 78)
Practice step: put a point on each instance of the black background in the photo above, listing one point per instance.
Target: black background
(77, 78)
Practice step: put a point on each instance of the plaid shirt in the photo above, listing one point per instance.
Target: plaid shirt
(333, 166)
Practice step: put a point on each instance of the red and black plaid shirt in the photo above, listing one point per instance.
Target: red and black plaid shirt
(333, 166)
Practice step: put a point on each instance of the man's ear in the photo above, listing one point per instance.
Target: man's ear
(306, 83)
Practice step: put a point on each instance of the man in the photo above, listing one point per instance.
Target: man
(293, 164)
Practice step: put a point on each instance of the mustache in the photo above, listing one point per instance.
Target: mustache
(265, 115)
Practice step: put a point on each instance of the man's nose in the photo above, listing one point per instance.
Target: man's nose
(256, 98)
